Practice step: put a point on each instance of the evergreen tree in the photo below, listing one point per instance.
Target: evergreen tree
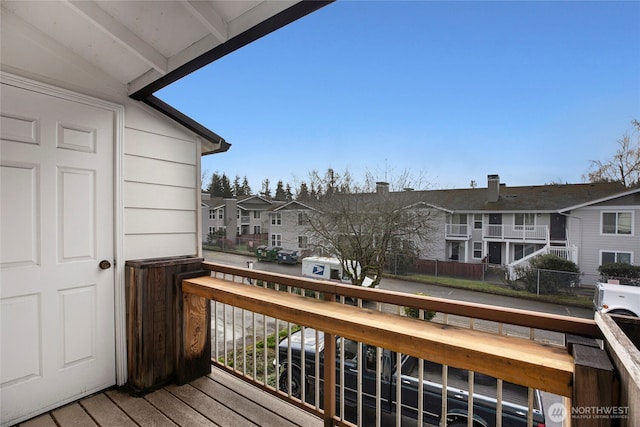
(288, 194)
(246, 189)
(303, 193)
(227, 192)
(215, 187)
(280, 193)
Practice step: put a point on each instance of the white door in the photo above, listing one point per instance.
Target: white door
(56, 225)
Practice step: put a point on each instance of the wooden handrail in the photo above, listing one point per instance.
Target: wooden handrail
(512, 316)
(515, 360)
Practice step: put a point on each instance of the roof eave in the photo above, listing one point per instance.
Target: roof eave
(213, 143)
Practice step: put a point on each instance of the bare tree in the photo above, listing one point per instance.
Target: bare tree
(624, 167)
(359, 223)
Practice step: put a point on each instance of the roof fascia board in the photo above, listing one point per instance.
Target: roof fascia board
(286, 205)
(440, 208)
(189, 123)
(604, 199)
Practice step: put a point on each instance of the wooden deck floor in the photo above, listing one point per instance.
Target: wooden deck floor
(216, 400)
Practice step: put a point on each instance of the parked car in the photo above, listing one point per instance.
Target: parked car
(514, 397)
(267, 253)
(286, 256)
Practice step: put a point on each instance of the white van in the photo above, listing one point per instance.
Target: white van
(324, 268)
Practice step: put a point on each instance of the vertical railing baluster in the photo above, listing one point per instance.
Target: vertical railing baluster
(378, 384)
(499, 403)
(530, 407)
(224, 333)
(359, 378)
(399, 389)
(303, 367)
(445, 396)
(470, 399)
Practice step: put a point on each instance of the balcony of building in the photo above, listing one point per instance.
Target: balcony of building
(457, 232)
(509, 232)
(228, 370)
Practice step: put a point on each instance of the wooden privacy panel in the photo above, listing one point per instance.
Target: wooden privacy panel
(154, 319)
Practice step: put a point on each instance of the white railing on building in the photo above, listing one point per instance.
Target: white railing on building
(567, 252)
(516, 232)
(457, 231)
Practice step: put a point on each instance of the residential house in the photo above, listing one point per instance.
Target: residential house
(96, 171)
(246, 215)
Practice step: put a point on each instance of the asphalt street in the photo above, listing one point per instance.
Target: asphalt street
(413, 287)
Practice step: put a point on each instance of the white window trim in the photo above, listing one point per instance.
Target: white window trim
(481, 221)
(473, 249)
(276, 218)
(275, 239)
(618, 211)
(616, 252)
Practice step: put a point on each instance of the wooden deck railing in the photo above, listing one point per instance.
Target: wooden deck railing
(483, 343)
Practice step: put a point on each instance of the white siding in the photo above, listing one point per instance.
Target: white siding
(161, 188)
(585, 232)
(161, 159)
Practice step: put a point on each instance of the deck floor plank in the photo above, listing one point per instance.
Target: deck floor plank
(105, 412)
(176, 410)
(209, 407)
(291, 413)
(44, 420)
(141, 411)
(72, 415)
(247, 408)
(220, 399)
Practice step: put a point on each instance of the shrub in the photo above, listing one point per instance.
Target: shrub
(626, 273)
(550, 274)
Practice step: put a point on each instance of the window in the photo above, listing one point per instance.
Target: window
(220, 213)
(302, 218)
(608, 257)
(303, 242)
(521, 251)
(477, 250)
(256, 214)
(477, 221)
(459, 219)
(212, 230)
(276, 219)
(617, 223)
(212, 214)
(524, 220)
(276, 240)
(256, 229)
(238, 213)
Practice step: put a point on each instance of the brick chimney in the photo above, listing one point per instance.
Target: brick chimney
(493, 188)
(382, 188)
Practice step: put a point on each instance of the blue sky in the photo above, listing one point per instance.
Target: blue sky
(450, 91)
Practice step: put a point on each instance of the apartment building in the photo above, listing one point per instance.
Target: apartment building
(590, 224)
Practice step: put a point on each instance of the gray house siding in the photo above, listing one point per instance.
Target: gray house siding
(586, 233)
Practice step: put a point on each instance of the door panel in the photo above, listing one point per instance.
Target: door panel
(558, 229)
(56, 304)
(495, 253)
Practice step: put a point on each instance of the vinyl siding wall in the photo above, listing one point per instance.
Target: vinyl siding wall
(585, 230)
(161, 188)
